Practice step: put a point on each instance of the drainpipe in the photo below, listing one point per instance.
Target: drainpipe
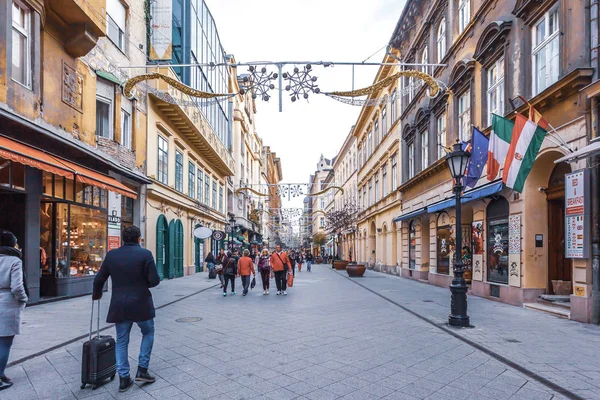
(595, 172)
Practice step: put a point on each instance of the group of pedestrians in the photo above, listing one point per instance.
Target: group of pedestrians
(278, 265)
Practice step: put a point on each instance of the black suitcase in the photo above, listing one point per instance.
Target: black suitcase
(212, 274)
(98, 361)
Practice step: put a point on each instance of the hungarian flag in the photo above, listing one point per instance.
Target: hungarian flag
(525, 144)
(500, 136)
(534, 115)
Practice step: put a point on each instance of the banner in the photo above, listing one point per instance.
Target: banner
(577, 214)
(477, 240)
(161, 42)
(514, 250)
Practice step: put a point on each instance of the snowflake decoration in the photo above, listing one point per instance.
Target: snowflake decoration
(259, 83)
(300, 83)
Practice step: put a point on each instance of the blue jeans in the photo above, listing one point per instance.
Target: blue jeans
(5, 344)
(123, 331)
(308, 265)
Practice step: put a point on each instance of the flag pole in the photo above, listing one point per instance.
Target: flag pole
(552, 129)
(559, 144)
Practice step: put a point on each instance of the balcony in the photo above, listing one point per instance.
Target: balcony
(78, 22)
(191, 123)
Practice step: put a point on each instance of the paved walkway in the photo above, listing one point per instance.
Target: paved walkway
(329, 339)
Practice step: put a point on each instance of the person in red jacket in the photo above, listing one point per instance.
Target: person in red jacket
(245, 268)
(280, 264)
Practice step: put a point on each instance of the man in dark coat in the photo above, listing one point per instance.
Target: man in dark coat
(133, 273)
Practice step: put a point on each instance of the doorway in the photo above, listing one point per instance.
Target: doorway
(162, 247)
(559, 267)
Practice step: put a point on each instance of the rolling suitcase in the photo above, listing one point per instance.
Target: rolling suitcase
(212, 274)
(98, 361)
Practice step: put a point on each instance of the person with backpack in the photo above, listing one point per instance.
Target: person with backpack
(263, 263)
(230, 271)
(245, 267)
(210, 264)
(221, 258)
(280, 263)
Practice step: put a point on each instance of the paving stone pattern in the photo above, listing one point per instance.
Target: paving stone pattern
(328, 339)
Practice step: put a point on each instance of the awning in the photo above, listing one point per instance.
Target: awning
(33, 157)
(587, 151)
(410, 214)
(471, 195)
(441, 205)
(24, 154)
(108, 76)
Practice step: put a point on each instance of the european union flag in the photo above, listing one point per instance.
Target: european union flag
(479, 155)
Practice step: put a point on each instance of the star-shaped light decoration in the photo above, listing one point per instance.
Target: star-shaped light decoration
(300, 83)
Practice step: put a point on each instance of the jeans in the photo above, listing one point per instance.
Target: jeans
(123, 329)
(265, 275)
(308, 265)
(229, 278)
(5, 344)
(245, 283)
(281, 280)
(221, 279)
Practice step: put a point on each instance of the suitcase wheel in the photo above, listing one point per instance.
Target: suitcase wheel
(82, 386)
(94, 387)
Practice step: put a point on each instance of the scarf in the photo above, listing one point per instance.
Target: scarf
(11, 251)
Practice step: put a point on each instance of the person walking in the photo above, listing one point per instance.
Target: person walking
(221, 258)
(263, 263)
(292, 258)
(210, 261)
(13, 296)
(245, 268)
(309, 261)
(230, 271)
(133, 272)
(280, 263)
(299, 260)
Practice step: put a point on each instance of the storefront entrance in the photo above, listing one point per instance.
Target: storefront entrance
(559, 267)
(162, 247)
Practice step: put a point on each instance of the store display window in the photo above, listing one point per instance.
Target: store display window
(444, 243)
(412, 245)
(12, 174)
(497, 240)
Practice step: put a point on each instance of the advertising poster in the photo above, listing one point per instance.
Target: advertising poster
(577, 214)
(514, 250)
(477, 239)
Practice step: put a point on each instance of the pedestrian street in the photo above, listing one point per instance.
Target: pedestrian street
(331, 338)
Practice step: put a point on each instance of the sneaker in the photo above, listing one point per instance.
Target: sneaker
(245, 293)
(224, 294)
(125, 384)
(5, 385)
(264, 292)
(232, 293)
(5, 379)
(278, 292)
(284, 293)
(267, 291)
(143, 376)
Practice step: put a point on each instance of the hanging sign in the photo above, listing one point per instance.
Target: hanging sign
(161, 42)
(218, 235)
(577, 214)
(202, 232)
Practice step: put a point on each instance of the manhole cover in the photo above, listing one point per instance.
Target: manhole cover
(188, 319)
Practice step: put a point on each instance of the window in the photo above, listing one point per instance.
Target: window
(126, 139)
(322, 204)
(116, 14)
(322, 222)
(464, 14)
(441, 40)
(370, 142)
(163, 160)
(394, 173)
(545, 55)
(376, 132)
(103, 118)
(409, 90)
(220, 198)
(393, 111)
(200, 185)
(464, 116)
(384, 125)
(191, 179)
(411, 160)
(364, 197)
(384, 181)
(21, 44)
(370, 192)
(424, 61)
(441, 135)
(495, 90)
(178, 171)
(214, 194)
(377, 187)
(207, 190)
(424, 150)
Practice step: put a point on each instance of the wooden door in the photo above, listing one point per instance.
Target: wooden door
(559, 267)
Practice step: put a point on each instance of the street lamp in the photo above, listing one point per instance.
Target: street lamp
(457, 162)
(231, 230)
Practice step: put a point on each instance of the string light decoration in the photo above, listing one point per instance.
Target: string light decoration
(301, 83)
(259, 83)
(167, 98)
(128, 87)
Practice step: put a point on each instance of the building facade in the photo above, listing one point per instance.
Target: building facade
(273, 172)
(318, 201)
(72, 146)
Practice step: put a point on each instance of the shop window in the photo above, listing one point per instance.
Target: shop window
(444, 240)
(21, 44)
(59, 187)
(69, 189)
(546, 53)
(412, 245)
(126, 212)
(47, 184)
(497, 240)
(12, 174)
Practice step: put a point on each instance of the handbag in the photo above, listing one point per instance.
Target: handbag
(278, 256)
(290, 280)
(253, 283)
(219, 267)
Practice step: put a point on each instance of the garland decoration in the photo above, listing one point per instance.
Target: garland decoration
(128, 87)
(325, 191)
(252, 191)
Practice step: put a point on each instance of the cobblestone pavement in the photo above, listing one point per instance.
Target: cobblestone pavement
(329, 338)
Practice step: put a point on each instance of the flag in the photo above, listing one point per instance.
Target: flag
(535, 116)
(479, 156)
(502, 129)
(525, 144)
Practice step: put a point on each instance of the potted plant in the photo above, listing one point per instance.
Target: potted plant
(342, 220)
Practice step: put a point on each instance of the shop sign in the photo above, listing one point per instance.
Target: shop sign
(577, 214)
(114, 220)
(114, 242)
(161, 43)
(218, 235)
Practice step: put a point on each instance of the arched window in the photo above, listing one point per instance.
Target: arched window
(441, 40)
(497, 242)
(425, 60)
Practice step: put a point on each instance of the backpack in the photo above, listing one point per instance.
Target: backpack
(229, 268)
(263, 263)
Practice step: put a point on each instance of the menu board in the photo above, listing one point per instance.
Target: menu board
(577, 210)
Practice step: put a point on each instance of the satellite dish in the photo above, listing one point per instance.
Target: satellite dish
(202, 232)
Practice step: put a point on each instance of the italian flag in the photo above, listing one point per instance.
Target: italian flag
(502, 129)
(527, 138)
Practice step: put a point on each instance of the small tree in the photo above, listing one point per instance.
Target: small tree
(343, 219)
(319, 239)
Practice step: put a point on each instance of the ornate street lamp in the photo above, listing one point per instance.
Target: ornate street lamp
(457, 162)
(231, 230)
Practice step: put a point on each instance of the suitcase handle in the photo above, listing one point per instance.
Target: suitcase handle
(92, 320)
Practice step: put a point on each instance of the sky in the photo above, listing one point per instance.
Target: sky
(309, 30)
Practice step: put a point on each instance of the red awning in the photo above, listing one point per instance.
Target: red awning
(33, 157)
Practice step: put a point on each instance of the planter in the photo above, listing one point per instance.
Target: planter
(355, 270)
(562, 288)
(340, 265)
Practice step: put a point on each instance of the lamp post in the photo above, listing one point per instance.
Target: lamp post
(231, 230)
(457, 162)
